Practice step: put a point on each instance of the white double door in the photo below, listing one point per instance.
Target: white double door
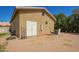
(31, 28)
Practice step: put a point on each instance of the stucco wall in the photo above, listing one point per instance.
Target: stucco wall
(15, 25)
(29, 15)
(35, 15)
(50, 26)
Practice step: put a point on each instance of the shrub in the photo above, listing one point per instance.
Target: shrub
(2, 48)
(1, 34)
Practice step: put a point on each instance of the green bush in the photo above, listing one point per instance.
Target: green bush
(1, 34)
(2, 48)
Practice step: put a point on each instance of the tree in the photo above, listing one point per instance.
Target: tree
(61, 22)
(74, 22)
(68, 23)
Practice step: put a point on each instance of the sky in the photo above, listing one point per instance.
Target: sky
(7, 11)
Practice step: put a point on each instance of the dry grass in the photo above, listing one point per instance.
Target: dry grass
(67, 44)
(3, 41)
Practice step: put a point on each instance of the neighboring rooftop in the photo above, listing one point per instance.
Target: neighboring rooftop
(4, 24)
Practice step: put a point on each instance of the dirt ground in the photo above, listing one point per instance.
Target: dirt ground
(47, 43)
(3, 39)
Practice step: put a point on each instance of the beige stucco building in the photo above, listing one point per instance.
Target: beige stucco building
(32, 21)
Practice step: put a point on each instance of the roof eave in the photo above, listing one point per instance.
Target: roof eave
(42, 8)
